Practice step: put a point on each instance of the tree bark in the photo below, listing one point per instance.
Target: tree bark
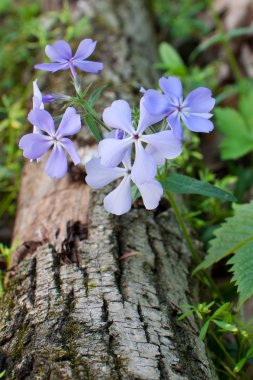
(94, 296)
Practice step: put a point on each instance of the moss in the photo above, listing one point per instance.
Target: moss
(92, 284)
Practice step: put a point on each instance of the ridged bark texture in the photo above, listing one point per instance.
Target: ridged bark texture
(91, 295)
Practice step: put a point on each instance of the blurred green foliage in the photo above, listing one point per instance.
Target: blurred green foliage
(179, 18)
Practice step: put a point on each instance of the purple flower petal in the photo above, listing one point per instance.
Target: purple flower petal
(155, 102)
(119, 116)
(34, 145)
(49, 98)
(204, 115)
(175, 124)
(197, 124)
(71, 149)
(151, 193)
(53, 67)
(57, 165)
(112, 151)
(37, 96)
(70, 123)
(146, 118)
(85, 49)
(127, 160)
(165, 142)
(89, 66)
(144, 168)
(119, 201)
(171, 86)
(157, 156)
(43, 120)
(99, 176)
(37, 102)
(200, 100)
(60, 51)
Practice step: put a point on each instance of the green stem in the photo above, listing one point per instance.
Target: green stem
(229, 358)
(220, 344)
(181, 223)
(229, 52)
(191, 247)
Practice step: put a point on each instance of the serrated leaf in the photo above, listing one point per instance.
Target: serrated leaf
(236, 232)
(183, 184)
(242, 270)
(237, 139)
(93, 128)
(170, 57)
(235, 236)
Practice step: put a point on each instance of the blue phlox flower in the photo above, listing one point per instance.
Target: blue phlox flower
(35, 145)
(112, 150)
(61, 53)
(193, 111)
(119, 201)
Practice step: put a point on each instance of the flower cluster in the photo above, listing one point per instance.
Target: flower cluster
(131, 151)
(44, 136)
(131, 142)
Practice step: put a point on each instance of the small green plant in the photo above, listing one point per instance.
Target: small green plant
(221, 326)
(237, 128)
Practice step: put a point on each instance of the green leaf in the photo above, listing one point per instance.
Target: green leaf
(184, 315)
(239, 32)
(217, 38)
(237, 139)
(183, 184)
(235, 236)
(170, 57)
(94, 129)
(221, 309)
(225, 326)
(85, 92)
(135, 193)
(246, 109)
(203, 330)
(239, 365)
(95, 95)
